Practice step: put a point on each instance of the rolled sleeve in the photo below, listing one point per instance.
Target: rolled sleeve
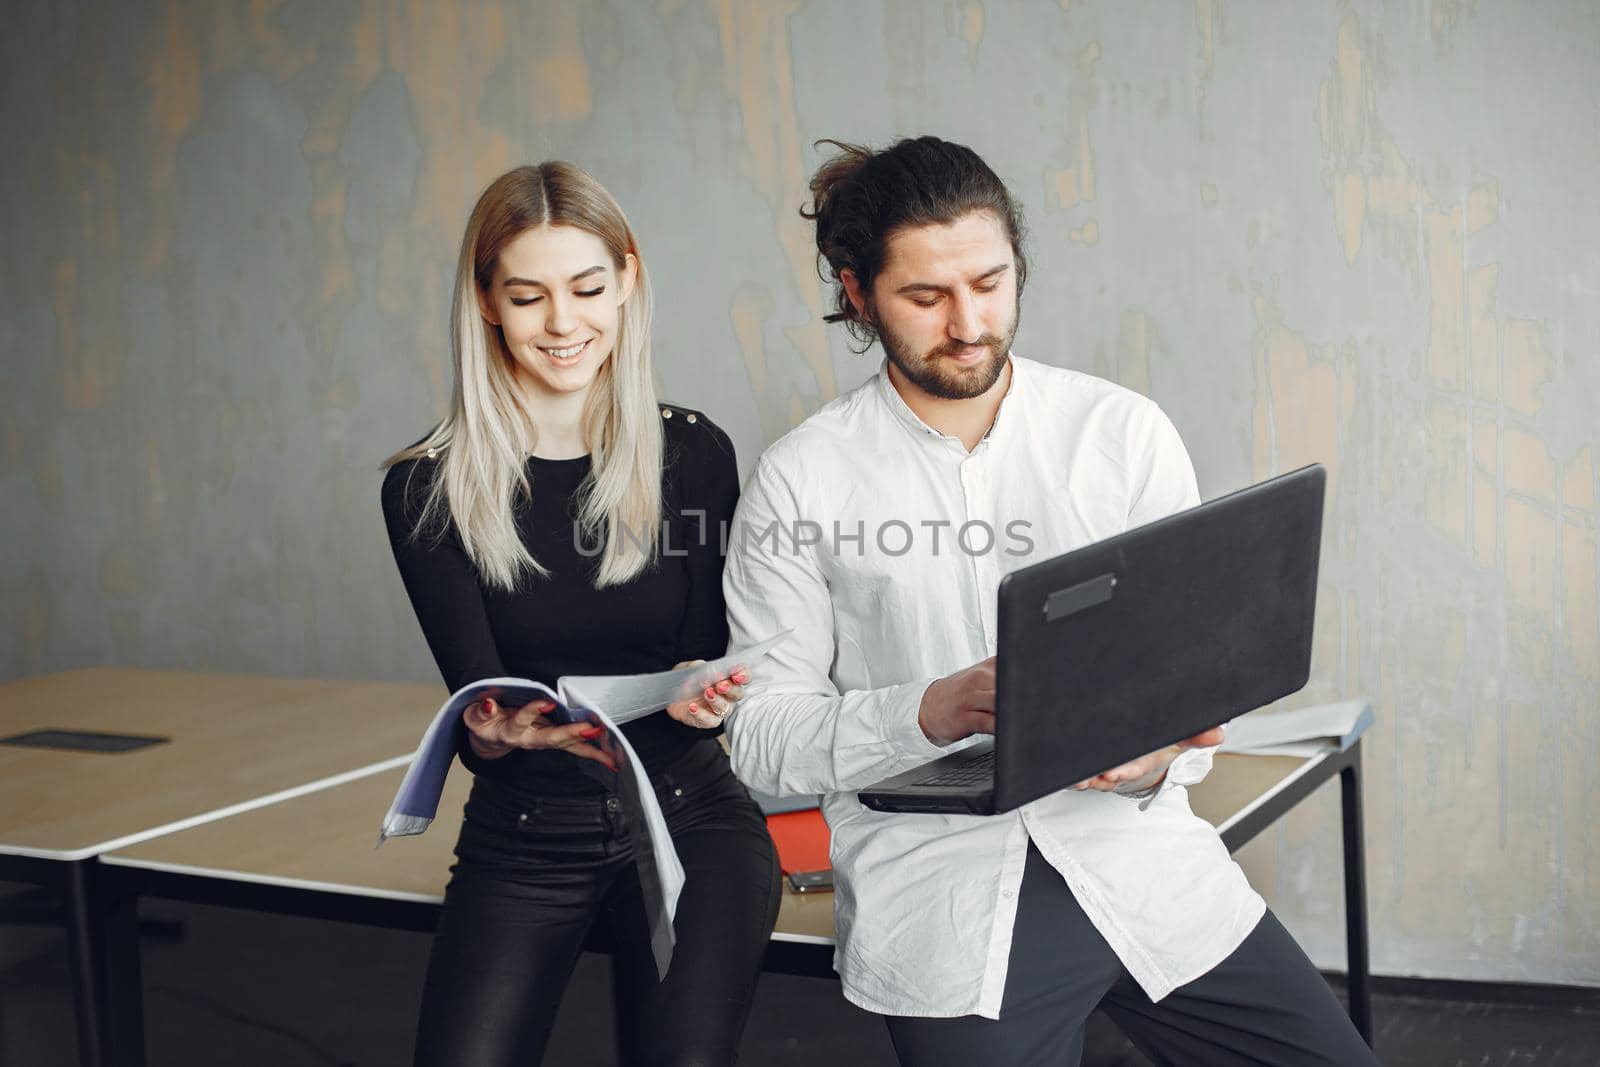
(1190, 767)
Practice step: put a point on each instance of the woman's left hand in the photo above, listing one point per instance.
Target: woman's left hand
(711, 707)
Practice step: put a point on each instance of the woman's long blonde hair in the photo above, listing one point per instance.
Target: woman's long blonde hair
(483, 444)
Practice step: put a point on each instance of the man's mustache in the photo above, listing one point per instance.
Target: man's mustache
(950, 348)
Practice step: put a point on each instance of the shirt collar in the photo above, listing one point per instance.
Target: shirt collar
(1003, 422)
(910, 420)
(897, 405)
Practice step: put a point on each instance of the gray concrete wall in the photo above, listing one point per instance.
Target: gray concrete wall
(1352, 232)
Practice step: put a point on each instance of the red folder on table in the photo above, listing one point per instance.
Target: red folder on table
(802, 840)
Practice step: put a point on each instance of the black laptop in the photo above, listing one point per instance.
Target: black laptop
(1132, 643)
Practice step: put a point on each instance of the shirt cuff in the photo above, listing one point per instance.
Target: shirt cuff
(900, 726)
(1188, 767)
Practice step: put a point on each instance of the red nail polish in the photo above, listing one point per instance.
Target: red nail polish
(592, 732)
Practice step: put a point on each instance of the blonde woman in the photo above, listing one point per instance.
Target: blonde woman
(560, 520)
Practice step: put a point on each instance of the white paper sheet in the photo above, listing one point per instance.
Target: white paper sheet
(628, 697)
(1264, 731)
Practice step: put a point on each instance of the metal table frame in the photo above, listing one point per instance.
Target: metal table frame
(1240, 829)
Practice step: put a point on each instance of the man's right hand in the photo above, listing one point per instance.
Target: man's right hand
(494, 729)
(959, 705)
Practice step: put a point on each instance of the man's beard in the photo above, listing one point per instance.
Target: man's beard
(936, 375)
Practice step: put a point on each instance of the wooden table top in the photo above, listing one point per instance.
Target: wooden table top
(1238, 781)
(324, 840)
(234, 740)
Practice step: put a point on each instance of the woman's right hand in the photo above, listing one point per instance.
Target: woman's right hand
(493, 730)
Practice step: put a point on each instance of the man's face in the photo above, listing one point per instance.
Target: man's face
(945, 305)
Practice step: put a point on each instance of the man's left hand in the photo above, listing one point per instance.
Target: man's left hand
(1146, 772)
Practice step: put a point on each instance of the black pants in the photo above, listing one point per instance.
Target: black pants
(1265, 1004)
(533, 876)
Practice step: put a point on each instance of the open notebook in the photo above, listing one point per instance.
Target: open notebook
(605, 701)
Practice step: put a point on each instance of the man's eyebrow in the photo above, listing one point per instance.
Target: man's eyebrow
(578, 277)
(925, 287)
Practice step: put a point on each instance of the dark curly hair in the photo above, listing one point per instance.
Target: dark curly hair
(861, 198)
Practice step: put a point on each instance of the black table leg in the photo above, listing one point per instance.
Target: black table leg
(123, 1012)
(86, 954)
(1355, 896)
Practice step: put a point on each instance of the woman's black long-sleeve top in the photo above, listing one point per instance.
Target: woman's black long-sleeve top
(562, 624)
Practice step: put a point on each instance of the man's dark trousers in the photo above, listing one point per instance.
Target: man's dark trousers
(1264, 1004)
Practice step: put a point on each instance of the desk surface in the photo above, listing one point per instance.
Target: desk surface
(1240, 783)
(323, 840)
(234, 741)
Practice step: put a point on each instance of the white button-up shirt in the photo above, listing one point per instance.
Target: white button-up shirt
(882, 543)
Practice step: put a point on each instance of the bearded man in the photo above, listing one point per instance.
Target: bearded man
(878, 530)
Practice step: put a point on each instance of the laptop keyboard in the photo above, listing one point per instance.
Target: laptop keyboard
(977, 771)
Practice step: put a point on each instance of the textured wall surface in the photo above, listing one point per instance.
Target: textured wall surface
(1352, 232)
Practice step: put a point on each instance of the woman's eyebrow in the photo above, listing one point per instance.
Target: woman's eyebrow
(582, 274)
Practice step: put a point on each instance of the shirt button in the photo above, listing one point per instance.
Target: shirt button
(613, 804)
(689, 418)
(677, 792)
(666, 413)
(1008, 894)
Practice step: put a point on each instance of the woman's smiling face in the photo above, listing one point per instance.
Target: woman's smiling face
(557, 298)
